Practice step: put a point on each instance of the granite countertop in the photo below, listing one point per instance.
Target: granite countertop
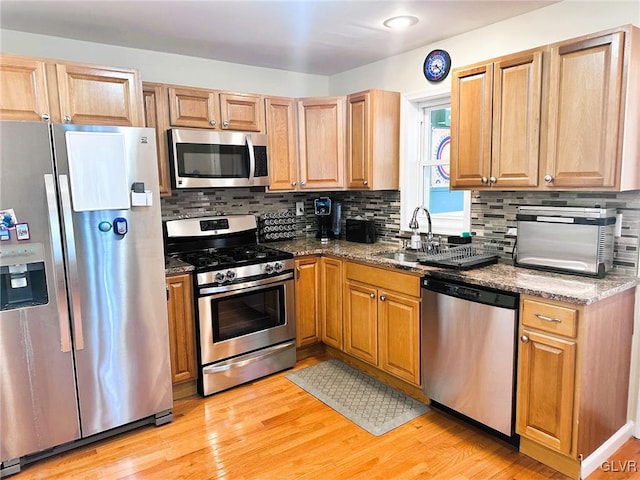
(502, 276)
(173, 266)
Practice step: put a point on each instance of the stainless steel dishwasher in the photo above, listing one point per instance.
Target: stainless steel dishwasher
(469, 352)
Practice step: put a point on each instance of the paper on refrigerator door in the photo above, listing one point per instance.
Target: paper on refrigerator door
(98, 171)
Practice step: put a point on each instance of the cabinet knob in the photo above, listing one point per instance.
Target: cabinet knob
(293, 184)
(372, 295)
(45, 117)
(524, 339)
(225, 124)
(382, 298)
(484, 180)
(493, 179)
(302, 184)
(365, 182)
(548, 178)
(213, 123)
(67, 119)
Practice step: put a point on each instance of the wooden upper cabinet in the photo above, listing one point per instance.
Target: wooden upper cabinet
(40, 89)
(193, 107)
(99, 95)
(471, 90)
(156, 116)
(517, 97)
(495, 122)
(23, 95)
(373, 137)
(562, 116)
(200, 107)
(282, 145)
(242, 111)
(321, 136)
(586, 104)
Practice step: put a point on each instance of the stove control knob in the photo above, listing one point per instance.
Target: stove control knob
(268, 268)
(278, 267)
(219, 277)
(230, 275)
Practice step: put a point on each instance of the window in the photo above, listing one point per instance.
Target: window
(425, 177)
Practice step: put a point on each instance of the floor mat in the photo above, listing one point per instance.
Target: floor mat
(365, 401)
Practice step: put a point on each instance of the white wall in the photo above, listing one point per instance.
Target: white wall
(547, 25)
(169, 68)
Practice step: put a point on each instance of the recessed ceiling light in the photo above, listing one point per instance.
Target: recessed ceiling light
(400, 22)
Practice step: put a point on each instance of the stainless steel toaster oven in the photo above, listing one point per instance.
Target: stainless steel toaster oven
(576, 240)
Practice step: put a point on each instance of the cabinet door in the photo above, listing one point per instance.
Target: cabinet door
(193, 107)
(358, 140)
(23, 95)
(585, 81)
(181, 328)
(241, 111)
(307, 311)
(281, 131)
(515, 147)
(399, 324)
(100, 95)
(471, 116)
(361, 322)
(156, 116)
(331, 301)
(321, 124)
(373, 138)
(545, 399)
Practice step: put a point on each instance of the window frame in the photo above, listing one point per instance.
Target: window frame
(411, 192)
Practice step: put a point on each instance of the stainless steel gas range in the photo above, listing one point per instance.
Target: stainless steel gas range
(244, 299)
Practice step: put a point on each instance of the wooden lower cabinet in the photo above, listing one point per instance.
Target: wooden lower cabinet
(382, 319)
(331, 301)
(573, 377)
(182, 345)
(307, 282)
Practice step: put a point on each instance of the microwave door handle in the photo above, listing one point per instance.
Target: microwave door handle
(252, 158)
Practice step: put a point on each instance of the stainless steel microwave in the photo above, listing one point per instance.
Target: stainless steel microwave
(211, 159)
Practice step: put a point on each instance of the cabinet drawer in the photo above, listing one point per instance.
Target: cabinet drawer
(550, 318)
(383, 278)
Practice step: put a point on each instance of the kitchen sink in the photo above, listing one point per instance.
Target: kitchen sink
(408, 257)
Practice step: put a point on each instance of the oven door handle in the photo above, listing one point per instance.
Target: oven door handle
(247, 359)
(234, 288)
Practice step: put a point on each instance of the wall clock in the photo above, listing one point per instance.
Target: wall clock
(437, 65)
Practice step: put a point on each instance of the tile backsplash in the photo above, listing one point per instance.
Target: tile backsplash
(492, 213)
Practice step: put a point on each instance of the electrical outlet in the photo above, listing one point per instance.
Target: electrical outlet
(299, 209)
(618, 228)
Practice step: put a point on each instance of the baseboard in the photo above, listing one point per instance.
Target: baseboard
(606, 450)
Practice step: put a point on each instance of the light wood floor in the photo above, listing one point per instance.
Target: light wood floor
(271, 429)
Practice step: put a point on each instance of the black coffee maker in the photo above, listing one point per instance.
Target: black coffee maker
(325, 219)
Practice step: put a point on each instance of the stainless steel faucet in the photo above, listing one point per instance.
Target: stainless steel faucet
(413, 225)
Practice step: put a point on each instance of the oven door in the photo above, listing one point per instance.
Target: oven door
(247, 317)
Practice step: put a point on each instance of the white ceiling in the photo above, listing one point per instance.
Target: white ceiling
(310, 36)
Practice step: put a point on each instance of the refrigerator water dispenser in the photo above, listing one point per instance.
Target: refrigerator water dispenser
(23, 281)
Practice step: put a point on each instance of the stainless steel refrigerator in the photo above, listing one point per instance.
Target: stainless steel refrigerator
(84, 344)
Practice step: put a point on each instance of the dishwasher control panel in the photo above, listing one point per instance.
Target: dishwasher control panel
(484, 295)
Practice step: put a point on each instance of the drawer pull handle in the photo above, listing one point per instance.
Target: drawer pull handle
(524, 339)
(548, 319)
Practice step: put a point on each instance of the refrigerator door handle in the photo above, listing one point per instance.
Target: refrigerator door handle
(72, 263)
(58, 263)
